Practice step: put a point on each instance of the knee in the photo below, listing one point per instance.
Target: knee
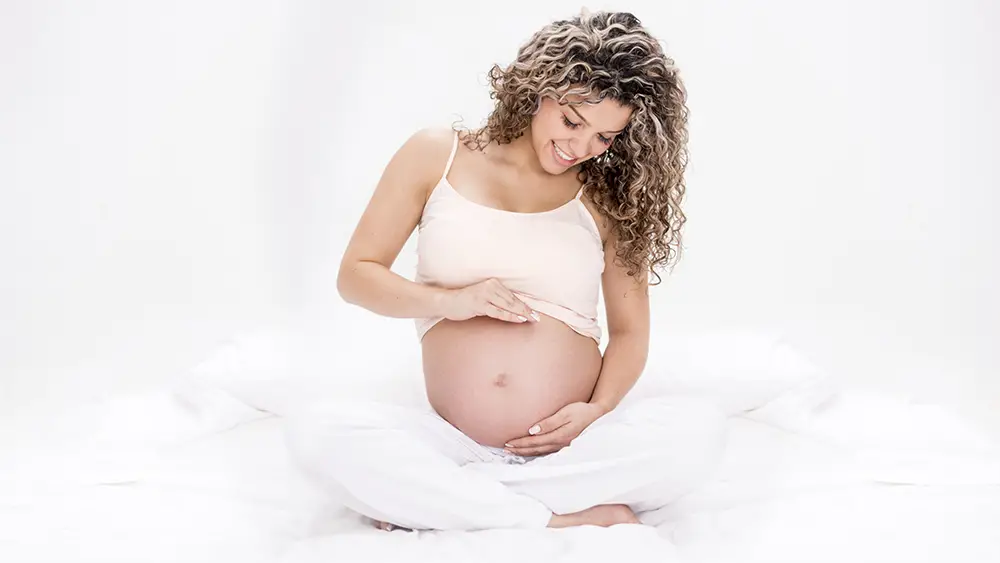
(673, 410)
(693, 429)
(338, 416)
(687, 447)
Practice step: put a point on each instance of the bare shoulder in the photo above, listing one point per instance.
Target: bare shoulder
(427, 151)
(432, 145)
(435, 139)
(421, 159)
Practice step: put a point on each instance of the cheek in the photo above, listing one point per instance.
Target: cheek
(555, 128)
(545, 126)
(596, 148)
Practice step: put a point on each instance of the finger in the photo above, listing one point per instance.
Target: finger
(549, 439)
(554, 422)
(515, 305)
(505, 299)
(509, 301)
(499, 311)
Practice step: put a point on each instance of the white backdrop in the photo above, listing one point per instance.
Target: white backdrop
(172, 173)
(141, 213)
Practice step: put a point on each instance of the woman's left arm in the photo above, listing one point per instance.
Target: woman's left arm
(626, 302)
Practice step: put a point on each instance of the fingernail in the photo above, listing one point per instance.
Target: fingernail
(534, 430)
(536, 316)
(522, 319)
(508, 446)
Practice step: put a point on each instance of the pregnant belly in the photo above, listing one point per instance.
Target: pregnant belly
(493, 380)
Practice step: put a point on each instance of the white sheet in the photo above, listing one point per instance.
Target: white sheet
(209, 481)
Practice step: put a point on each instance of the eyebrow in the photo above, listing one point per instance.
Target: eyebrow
(588, 123)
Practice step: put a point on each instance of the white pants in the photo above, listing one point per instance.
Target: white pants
(411, 468)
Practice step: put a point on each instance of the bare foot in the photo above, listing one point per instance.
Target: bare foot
(601, 515)
(387, 526)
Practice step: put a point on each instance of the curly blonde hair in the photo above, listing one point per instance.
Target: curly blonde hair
(638, 183)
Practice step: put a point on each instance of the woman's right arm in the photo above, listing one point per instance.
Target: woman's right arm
(366, 278)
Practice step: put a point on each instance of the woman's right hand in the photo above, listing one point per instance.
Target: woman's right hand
(487, 298)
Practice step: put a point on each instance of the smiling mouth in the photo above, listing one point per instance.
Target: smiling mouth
(562, 156)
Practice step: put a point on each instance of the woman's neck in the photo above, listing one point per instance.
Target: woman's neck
(519, 155)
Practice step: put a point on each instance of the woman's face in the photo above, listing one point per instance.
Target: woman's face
(578, 132)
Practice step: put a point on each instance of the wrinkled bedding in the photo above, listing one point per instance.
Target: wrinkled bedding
(169, 476)
(196, 470)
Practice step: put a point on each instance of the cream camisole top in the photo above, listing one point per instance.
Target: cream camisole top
(552, 260)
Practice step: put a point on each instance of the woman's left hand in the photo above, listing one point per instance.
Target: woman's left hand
(557, 431)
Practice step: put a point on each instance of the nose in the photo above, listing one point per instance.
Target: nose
(578, 147)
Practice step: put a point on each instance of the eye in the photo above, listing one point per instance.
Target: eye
(569, 123)
(604, 139)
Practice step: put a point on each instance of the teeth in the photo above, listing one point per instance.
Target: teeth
(561, 154)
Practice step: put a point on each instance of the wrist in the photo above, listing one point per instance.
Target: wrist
(440, 300)
(604, 406)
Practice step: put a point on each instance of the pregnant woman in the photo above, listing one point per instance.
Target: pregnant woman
(572, 187)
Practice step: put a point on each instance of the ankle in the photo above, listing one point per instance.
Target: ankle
(561, 521)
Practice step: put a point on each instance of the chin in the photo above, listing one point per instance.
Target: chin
(550, 167)
(553, 169)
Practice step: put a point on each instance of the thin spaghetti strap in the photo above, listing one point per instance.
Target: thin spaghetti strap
(579, 193)
(454, 149)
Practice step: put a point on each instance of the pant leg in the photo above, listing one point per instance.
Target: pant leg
(646, 456)
(405, 466)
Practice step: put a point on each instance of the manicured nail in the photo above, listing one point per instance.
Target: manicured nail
(534, 430)
(508, 446)
(522, 319)
(536, 316)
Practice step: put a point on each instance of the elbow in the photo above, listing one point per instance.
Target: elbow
(636, 339)
(344, 282)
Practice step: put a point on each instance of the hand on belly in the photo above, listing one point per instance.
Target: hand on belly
(494, 380)
(557, 431)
